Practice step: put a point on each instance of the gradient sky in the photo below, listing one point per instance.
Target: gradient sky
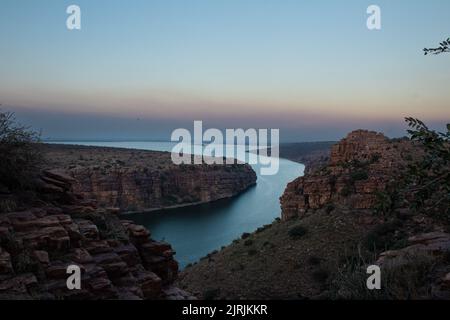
(139, 69)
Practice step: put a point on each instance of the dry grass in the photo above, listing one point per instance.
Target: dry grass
(273, 265)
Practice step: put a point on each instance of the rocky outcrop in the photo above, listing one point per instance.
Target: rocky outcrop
(360, 166)
(133, 180)
(433, 243)
(430, 249)
(118, 259)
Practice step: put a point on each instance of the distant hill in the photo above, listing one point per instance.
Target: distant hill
(311, 154)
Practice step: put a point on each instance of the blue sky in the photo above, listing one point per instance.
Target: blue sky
(138, 69)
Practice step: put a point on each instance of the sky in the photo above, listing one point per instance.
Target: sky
(139, 69)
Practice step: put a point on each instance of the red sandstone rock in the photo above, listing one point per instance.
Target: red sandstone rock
(20, 284)
(81, 256)
(360, 166)
(150, 284)
(41, 257)
(155, 189)
(112, 268)
(88, 229)
(138, 234)
(157, 248)
(129, 254)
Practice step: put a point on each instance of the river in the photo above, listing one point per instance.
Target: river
(198, 230)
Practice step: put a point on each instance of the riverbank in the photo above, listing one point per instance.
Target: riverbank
(181, 206)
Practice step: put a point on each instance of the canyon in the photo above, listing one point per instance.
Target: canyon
(328, 231)
(73, 218)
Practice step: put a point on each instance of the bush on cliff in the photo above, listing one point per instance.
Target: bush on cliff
(297, 232)
(425, 184)
(382, 237)
(428, 179)
(359, 175)
(407, 281)
(19, 156)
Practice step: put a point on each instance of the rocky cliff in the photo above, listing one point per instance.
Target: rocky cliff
(118, 259)
(360, 166)
(133, 180)
(70, 217)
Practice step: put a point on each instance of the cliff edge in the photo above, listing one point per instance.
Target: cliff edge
(138, 180)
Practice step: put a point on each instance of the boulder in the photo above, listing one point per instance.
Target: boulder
(435, 243)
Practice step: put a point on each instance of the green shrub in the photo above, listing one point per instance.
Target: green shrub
(261, 229)
(374, 158)
(298, 232)
(245, 235)
(359, 175)
(19, 154)
(171, 199)
(386, 202)
(428, 179)
(382, 237)
(407, 281)
(211, 294)
(329, 208)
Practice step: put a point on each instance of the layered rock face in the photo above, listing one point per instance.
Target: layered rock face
(133, 180)
(118, 260)
(135, 189)
(360, 166)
